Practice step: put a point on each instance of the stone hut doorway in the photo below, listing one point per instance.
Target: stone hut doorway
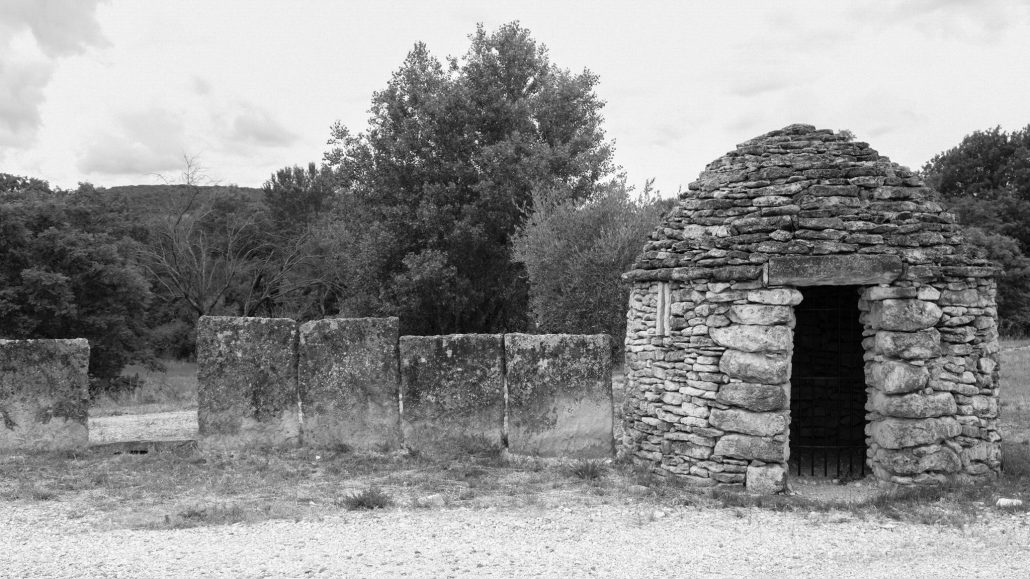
(828, 390)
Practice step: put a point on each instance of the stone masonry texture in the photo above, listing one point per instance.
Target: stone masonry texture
(247, 381)
(452, 391)
(348, 379)
(709, 369)
(559, 395)
(44, 394)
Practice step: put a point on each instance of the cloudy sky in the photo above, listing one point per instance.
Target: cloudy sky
(116, 92)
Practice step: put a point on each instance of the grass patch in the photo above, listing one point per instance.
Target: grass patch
(369, 499)
(201, 516)
(172, 388)
(588, 469)
(29, 491)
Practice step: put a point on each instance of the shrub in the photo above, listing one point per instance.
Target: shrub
(368, 499)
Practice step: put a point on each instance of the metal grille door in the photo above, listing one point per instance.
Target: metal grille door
(827, 404)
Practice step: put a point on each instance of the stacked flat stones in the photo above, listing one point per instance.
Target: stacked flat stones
(710, 322)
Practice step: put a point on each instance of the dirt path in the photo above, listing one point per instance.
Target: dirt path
(611, 540)
(158, 426)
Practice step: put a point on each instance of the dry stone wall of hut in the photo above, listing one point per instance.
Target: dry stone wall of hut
(711, 317)
(356, 382)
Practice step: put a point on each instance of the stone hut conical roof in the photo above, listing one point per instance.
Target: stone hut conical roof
(802, 191)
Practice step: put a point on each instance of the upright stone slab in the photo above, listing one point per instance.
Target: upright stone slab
(452, 392)
(559, 395)
(44, 394)
(247, 381)
(348, 377)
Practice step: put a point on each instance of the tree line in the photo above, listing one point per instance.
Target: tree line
(482, 196)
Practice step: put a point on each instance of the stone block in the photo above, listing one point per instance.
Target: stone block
(349, 379)
(916, 405)
(247, 381)
(912, 461)
(775, 297)
(895, 433)
(856, 269)
(767, 368)
(765, 480)
(753, 338)
(919, 345)
(761, 315)
(452, 392)
(745, 422)
(757, 397)
(903, 315)
(44, 394)
(967, 297)
(898, 377)
(748, 447)
(560, 395)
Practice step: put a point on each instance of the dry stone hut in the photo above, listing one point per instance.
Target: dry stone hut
(809, 307)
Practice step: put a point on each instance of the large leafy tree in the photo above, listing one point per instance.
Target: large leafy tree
(445, 174)
(62, 277)
(985, 181)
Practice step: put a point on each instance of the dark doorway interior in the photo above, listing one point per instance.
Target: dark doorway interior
(828, 393)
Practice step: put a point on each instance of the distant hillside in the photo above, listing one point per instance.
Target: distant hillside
(158, 194)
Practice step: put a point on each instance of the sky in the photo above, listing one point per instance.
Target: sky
(118, 92)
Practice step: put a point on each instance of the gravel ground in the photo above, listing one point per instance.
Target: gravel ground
(38, 540)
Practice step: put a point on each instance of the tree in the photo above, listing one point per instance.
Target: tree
(985, 165)
(575, 253)
(447, 168)
(296, 197)
(61, 280)
(1014, 283)
(985, 182)
(216, 254)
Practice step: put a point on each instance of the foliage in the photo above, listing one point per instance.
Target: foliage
(221, 254)
(368, 499)
(296, 197)
(588, 469)
(1014, 283)
(445, 172)
(985, 165)
(61, 279)
(985, 181)
(575, 253)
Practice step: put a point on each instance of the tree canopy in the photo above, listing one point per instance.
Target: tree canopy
(62, 276)
(446, 169)
(985, 181)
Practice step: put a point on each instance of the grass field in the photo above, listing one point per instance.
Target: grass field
(167, 390)
(193, 487)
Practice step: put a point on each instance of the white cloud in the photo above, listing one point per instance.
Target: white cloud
(139, 143)
(254, 126)
(60, 28)
(21, 93)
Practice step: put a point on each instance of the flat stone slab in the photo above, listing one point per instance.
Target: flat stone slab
(154, 427)
(559, 395)
(349, 382)
(247, 381)
(452, 392)
(44, 394)
(808, 270)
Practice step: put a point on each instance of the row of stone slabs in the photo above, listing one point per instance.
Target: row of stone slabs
(356, 382)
